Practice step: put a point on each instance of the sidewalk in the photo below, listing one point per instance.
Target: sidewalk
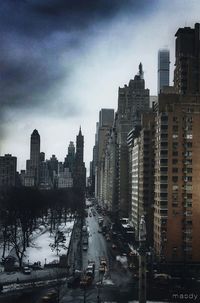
(36, 275)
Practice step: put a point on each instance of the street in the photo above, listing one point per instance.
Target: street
(109, 287)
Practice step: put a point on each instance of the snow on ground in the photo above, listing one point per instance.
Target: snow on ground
(40, 249)
(108, 282)
(122, 260)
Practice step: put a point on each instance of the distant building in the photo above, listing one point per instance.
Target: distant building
(153, 99)
(70, 158)
(163, 69)
(133, 100)
(53, 168)
(187, 63)
(65, 179)
(45, 178)
(33, 165)
(113, 167)
(42, 157)
(79, 175)
(106, 118)
(8, 170)
(22, 176)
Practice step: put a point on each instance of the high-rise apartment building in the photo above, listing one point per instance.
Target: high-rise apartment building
(177, 178)
(163, 69)
(141, 174)
(187, 63)
(8, 171)
(177, 161)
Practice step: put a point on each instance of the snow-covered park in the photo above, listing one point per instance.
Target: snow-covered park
(42, 244)
(42, 240)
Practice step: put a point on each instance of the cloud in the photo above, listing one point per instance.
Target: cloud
(36, 36)
(62, 61)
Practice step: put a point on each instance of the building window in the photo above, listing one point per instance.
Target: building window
(175, 128)
(175, 154)
(175, 187)
(175, 179)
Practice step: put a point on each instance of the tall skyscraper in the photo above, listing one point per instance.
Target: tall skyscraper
(35, 148)
(133, 100)
(35, 154)
(163, 68)
(187, 64)
(32, 166)
(79, 147)
(71, 148)
(70, 158)
(79, 175)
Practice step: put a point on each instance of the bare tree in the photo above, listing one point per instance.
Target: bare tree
(59, 241)
(16, 240)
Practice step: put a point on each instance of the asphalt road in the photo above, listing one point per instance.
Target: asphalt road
(97, 244)
(112, 288)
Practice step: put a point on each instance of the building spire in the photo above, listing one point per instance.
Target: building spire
(80, 133)
(141, 73)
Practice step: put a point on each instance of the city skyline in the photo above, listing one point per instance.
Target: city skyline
(57, 75)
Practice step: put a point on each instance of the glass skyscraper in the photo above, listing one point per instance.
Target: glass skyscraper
(163, 68)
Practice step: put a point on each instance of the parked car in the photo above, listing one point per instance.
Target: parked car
(90, 270)
(108, 238)
(162, 278)
(85, 247)
(26, 270)
(102, 268)
(103, 265)
(50, 297)
(74, 281)
(36, 266)
(86, 281)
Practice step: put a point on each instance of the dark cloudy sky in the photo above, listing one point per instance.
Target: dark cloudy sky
(61, 61)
